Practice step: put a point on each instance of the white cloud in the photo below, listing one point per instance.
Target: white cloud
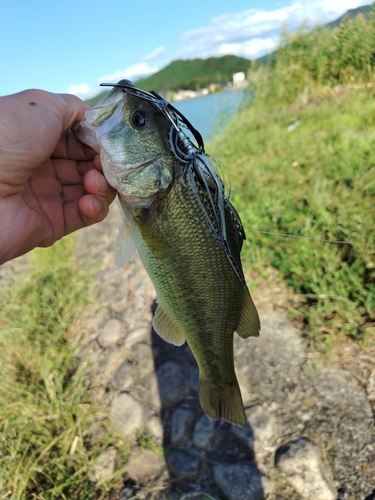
(254, 32)
(154, 54)
(81, 90)
(132, 73)
(135, 72)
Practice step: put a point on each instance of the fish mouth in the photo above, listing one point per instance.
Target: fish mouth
(95, 124)
(132, 167)
(97, 120)
(86, 134)
(144, 182)
(117, 174)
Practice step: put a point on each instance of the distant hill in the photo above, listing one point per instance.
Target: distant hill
(193, 73)
(365, 10)
(189, 74)
(91, 102)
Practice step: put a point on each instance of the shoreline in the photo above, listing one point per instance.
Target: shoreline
(199, 96)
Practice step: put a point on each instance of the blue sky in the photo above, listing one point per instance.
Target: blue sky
(72, 46)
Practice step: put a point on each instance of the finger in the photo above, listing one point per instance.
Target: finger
(99, 187)
(84, 212)
(95, 183)
(69, 147)
(71, 109)
(98, 163)
(94, 208)
(71, 193)
(70, 171)
(74, 110)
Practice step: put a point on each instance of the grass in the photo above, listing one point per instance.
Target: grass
(316, 183)
(320, 57)
(45, 414)
(302, 161)
(301, 158)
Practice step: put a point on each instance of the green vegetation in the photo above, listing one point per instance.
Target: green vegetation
(365, 11)
(194, 73)
(350, 14)
(45, 415)
(188, 74)
(320, 57)
(91, 102)
(302, 160)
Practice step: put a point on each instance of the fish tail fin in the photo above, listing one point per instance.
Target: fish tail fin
(222, 402)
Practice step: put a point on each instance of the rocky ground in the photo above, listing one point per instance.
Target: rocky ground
(310, 431)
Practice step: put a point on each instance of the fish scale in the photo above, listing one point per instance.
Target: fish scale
(175, 213)
(171, 251)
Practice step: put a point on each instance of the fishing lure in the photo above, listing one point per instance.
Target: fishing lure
(205, 183)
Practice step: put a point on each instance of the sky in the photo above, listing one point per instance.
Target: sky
(72, 46)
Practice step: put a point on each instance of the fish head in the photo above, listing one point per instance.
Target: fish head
(131, 136)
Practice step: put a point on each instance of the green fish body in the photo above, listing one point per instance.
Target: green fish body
(170, 220)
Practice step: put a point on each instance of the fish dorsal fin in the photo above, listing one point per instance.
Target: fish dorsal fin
(249, 324)
(213, 209)
(125, 246)
(234, 224)
(167, 328)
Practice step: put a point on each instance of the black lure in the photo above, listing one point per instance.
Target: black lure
(200, 175)
(172, 114)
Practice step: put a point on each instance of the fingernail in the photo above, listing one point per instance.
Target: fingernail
(101, 183)
(95, 205)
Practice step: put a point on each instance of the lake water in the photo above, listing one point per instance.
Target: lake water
(209, 114)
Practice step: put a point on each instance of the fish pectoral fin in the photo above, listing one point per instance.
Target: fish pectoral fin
(249, 324)
(222, 402)
(166, 328)
(124, 245)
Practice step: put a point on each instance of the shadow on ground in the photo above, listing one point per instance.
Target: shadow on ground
(201, 454)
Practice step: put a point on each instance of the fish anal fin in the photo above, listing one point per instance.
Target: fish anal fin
(124, 245)
(222, 402)
(249, 325)
(166, 328)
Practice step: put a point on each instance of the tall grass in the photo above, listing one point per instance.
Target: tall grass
(45, 414)
(309, 59)
(314, 181)
(302, 160)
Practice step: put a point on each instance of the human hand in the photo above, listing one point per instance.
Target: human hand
(50, 183)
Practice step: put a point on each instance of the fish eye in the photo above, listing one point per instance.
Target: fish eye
(139, 118)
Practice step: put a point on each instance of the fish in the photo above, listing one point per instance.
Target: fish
(188, 235)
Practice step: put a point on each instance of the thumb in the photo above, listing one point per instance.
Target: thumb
(71, 109)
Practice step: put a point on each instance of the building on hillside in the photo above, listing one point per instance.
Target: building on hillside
(239, 79)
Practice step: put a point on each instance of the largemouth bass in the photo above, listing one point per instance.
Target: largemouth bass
(187, 233)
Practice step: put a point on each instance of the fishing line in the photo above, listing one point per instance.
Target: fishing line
(338, 242)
